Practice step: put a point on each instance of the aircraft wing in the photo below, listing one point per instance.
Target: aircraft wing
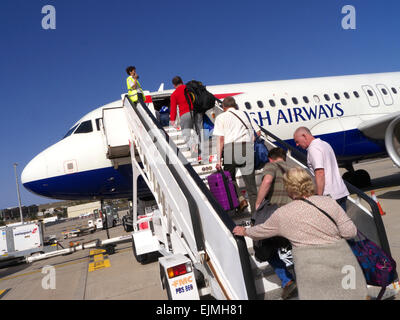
(376, 128)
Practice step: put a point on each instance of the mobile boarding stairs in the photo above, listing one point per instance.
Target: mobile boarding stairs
(190, 230)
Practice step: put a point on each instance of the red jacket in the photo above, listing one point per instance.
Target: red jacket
(178, 98)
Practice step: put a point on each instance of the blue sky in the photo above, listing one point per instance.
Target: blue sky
(51, 78)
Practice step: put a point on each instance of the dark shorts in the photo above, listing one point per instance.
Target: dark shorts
(342, 202)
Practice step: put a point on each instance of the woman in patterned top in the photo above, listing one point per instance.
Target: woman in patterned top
(325, 266)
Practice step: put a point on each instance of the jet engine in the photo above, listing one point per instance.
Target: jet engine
(392, 140)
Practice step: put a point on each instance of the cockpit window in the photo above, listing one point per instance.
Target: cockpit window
(84, 127)
(70, 131)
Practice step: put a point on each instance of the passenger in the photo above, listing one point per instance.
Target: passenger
(320, 252)
(236, 143)
(322, 161)
(272, 187)
(135, 92)
(178, 97)
(273, 191)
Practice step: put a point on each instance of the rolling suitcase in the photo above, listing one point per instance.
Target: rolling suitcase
(223, 189)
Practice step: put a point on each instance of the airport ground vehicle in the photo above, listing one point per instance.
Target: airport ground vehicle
(127, 222)
(96, 224)
(110, 216)
(92, 226)
(143, 207)
(20, 241)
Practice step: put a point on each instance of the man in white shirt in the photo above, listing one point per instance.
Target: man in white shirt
(322, 161)
(236, 141)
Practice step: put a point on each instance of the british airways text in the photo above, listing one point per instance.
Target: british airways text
(297, 114)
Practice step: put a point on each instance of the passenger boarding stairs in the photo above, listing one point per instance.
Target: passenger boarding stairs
(188, 219)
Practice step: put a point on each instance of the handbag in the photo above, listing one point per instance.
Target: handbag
(264, 248)
(260, 153)
(379, 268)
(208, 127)
(260, 150)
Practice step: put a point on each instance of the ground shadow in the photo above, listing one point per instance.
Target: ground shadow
(392, 180)
(11, 268)
(393, 195)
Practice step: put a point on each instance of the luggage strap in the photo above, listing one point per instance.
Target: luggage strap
(324, 212)
(228, 192)
(254, 132)
(191, 110)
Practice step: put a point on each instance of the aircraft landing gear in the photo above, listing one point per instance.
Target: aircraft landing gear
(358, 178)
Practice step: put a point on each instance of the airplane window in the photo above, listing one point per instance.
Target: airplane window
(272, 103)
(98, 124)
(394, 90)
(306, 99)
(248, 105)
(284, 102)
(260, 104)
(370, 93)
(85, 127)
(346, 95)
(326, 97)
(316, 98)
(70, 131)
(337, 96)
(356, 94)
(295, 100)
(384, 91)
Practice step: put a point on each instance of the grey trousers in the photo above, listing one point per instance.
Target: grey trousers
(192, 130)
(187, 127)
(198, 123)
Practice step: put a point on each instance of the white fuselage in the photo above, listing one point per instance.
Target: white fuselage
(333, 108)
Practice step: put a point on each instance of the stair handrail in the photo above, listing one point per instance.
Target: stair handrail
(195, 214)
(302, 158)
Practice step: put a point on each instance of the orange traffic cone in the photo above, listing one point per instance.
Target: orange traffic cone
(74, 244)
(377, 202)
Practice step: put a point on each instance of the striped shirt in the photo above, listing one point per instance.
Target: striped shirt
(277, 193)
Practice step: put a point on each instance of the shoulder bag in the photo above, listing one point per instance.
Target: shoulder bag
(260, 150)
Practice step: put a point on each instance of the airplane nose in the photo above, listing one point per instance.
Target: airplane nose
(35, 170)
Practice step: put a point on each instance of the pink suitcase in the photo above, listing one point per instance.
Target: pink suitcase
(223, 189)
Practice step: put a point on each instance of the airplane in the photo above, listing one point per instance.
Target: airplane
(359, 115)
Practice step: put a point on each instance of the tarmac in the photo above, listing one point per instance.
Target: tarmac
(86, 275)
(116, 276)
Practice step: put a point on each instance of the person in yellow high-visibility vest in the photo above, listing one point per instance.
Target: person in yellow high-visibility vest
(135, 91)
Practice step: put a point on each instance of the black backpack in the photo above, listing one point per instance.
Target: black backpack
(197, 93)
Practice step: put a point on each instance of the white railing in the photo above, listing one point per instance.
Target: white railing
(170, 183)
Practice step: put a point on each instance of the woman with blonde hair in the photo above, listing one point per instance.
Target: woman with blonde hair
(324, 264)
